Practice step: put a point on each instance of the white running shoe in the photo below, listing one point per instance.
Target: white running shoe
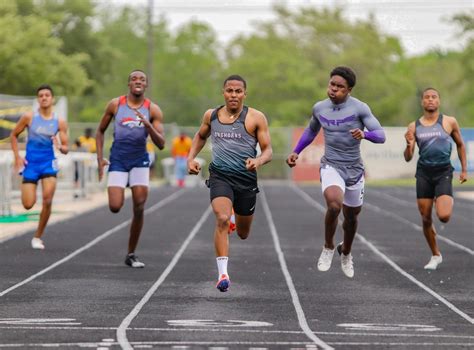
(325, 259)
(37, 243)
(347, 265)
(434, 262)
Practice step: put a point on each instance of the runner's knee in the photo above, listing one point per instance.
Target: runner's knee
(444, 218)
(223, 220)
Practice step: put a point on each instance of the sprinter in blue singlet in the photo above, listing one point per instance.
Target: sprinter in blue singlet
(40, 162)
(235, 130)
(135, 118)
(433, 132)
(345, 121)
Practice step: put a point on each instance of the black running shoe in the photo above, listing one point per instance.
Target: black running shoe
(132, 261)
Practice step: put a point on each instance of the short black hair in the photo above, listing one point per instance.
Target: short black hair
(137, 70)
(44, 87)
(430, 88)
(345, 72)
(235, 77)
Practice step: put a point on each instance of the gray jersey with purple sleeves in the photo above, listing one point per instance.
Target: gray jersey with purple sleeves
(337, 121)
(342, 151)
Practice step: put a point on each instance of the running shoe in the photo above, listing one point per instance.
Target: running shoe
(347, 265)
(325, 259)
(232, 225)
(434, 262)
(132, 261)
(224, 283)
(37, 243)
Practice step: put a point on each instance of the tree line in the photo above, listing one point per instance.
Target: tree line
(86, 51)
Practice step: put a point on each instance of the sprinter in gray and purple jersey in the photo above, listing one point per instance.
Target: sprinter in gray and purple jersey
(345, 121)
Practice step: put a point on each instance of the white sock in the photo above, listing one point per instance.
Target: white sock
(222, 265)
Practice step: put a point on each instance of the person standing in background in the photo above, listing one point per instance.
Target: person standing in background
(87, 141)
(181, 145)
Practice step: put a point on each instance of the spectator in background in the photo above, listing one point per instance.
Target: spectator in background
(87, 141)
(150, 148)
(77, 147)
(179, 150)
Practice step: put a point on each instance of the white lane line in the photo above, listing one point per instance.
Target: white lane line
(248, 343)
(226, 330)
(122, 329)
(405, 203)
(92, 243)
(417, 227)
(289, 281)
(384, 257)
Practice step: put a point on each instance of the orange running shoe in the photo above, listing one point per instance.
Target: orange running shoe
(232, 225)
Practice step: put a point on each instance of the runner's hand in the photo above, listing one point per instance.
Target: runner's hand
(409, 137)
(193, 167)
(463, 177)
(102, 163)
(252, 164)
(291, 160)
(142, 118)
(357, 134)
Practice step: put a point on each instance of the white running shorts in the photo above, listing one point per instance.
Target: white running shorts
(136, 177)
(353, 195)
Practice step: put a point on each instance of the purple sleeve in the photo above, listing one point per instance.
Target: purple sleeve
(308, 135)
(375, 136)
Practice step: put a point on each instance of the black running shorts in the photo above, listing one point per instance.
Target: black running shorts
(243, 200)
(432, 182)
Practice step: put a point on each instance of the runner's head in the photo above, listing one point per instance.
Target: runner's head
(137, 82)
(430, 100)
(235, 92)
(45, 96)
(342, 80)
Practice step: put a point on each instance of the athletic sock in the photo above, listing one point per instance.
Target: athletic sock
(222, 265)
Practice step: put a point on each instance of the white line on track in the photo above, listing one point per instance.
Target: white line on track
(417, 227)
(294, 295)
(247, 343)
(122, 329)
(227, 330)
(92, 243)
(405, 203)
(384, 257)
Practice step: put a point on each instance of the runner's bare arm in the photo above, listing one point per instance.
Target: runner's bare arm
(263, 137)
(461, 148)
(109, 113)
(199, 140)
(410, 139)
(22, 124)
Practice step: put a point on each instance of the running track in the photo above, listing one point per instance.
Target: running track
(79, 294)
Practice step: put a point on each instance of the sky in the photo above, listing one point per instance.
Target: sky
(421, 25)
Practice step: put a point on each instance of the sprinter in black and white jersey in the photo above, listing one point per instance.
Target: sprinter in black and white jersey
(235, 131)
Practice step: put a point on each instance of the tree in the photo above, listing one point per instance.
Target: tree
(30, 57)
